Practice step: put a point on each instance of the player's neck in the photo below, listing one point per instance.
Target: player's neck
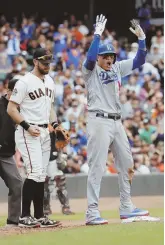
(38, 74)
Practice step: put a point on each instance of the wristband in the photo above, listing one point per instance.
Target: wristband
(25, 125)
(54, 124)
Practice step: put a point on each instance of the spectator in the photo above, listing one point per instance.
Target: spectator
(60, 40)
(139, 166)
(141, 93)
(149, 69)
(144, 14)
(74, 110)
(148, 132)
(156, 163)
(27, 31)
(82, 28)
(133, 85)
(45, 25)
(13, 45)
(73, 54)
(134, 48)
(32, 46)
(5, 62)
(154, 56)
(159, 40)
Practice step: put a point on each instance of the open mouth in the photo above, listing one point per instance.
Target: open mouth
(108, 63)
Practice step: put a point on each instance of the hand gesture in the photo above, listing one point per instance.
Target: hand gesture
(34, 131)
(100, 24)
(137, 30)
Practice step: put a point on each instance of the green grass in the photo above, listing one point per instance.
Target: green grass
(106, 214)
(113, 234)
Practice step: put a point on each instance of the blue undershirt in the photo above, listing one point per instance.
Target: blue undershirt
(90, 62)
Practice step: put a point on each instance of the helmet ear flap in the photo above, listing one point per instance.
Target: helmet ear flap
(114, 59)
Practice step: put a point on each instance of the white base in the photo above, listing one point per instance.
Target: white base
(140, 218)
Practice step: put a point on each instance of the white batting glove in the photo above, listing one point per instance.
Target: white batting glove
(100, 24)
(137, 30)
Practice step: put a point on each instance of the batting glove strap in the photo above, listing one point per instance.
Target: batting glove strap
(100, 24)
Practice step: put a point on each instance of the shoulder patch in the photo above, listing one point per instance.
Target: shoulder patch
(15, 91)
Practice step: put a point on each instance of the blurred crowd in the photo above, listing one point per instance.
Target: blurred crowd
(141, 92)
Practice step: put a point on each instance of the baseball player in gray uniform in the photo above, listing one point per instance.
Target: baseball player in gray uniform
(34, 95)
(103, 75)
(56, 179)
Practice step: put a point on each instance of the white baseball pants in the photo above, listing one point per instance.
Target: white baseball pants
(35, 152)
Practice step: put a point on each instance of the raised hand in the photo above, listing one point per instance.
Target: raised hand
(100, 24)
(137, 30)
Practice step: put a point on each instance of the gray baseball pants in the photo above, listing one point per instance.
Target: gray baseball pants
(102, 134)
(10, 174)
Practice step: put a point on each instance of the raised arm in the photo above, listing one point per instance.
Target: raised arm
(126, 66)
(142, 50)
(94, 47)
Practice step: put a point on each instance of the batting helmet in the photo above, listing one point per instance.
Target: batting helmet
(107, 49)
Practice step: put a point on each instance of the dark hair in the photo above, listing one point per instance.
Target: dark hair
(12, 83)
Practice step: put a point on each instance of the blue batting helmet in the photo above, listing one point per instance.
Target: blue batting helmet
(107, 49)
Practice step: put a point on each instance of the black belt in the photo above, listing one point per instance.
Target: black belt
(40, 125)
(108, 115)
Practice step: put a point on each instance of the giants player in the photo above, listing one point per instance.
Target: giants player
(34, 95)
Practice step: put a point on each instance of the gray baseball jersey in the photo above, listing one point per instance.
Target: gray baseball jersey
(103, 86)
(103, 96)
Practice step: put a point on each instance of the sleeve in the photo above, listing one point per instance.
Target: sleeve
(87, 73)
(139, 59)
(126, 66)
(92, 53)
(19, 92)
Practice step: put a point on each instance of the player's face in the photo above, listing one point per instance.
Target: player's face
(43, 68)
(105, 61)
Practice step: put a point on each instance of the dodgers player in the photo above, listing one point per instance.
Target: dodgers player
(103, 77)
(34, 95)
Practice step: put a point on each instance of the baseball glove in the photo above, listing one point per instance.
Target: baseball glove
(62, 137)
